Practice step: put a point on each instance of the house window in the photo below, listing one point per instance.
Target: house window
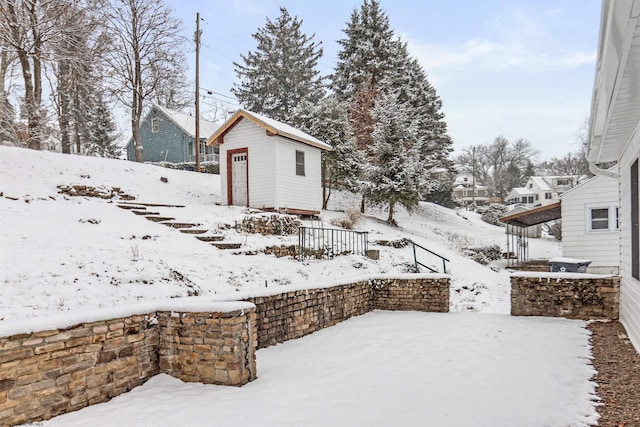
(300, 163)
(635, 228)
(530, 199)
(537, 197)
(530, 185)
(155, 125)
(602, 218)
(563, 182)
(547, 196)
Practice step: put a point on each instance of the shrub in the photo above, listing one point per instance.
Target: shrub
(493, 213)
(347, 221)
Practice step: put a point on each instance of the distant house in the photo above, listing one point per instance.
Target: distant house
(590, 228)
(169, 136)
(269, 165)
(614, 137)
(542, 190)
(466, 191)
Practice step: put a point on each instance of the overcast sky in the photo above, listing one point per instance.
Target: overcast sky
(517, 68)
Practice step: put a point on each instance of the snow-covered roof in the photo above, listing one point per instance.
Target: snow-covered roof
(521, 191)
(273, 126)
(541, 182)
(188, 122)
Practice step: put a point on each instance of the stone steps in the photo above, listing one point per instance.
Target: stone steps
(226, 245)
(180, 225)
(160, 218)
(215, 238)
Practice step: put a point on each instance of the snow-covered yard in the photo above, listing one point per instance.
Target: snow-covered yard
(388, 369)
(67, 256)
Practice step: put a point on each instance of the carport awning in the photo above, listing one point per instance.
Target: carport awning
(533, 216)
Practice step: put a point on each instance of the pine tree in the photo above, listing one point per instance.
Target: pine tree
(103, 132)
(397, 175)
(282, 72)
(329, 122)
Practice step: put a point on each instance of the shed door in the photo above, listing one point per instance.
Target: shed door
(238, 177)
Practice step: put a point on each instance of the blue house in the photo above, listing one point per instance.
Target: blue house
(168, 136)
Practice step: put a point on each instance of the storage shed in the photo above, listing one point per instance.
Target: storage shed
(269, 165)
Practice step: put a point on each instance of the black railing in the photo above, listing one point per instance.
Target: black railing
(330, 242)
(431, 268)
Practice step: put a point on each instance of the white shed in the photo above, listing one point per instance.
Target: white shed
(269, 165)
(590, 224)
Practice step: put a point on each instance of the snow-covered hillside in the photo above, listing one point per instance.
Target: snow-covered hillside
(60, 253)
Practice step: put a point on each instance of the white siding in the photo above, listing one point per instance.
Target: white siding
(298, 192)
(629, 287)
(261, 162)
(602, 246)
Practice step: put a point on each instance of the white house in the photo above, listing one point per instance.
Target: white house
(614, 136)
(269, 165)
(590, 224)
(466, 190)
(541, 190)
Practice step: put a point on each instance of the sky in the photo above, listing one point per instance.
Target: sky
(516, 68)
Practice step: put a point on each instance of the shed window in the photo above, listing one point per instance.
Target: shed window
(547, 196)
(300, 163)
(602, 218)
(155, 125)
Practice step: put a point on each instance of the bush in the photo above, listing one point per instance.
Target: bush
(484, 254)
(347, 221)
(205, 167)
(493, 213)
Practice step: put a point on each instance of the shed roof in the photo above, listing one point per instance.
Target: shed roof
(533, 216)
(273, 127)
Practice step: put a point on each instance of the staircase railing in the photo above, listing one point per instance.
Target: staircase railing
(330, 242)
(419, 264)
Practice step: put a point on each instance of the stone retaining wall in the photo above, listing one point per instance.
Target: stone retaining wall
(49, 373)
(211, 348)
(574, 296)
(295, 314)
(270, 224)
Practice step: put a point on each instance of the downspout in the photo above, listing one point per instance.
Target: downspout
(594, 148)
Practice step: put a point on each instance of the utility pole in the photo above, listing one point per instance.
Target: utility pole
(473, 175)
(197, 142)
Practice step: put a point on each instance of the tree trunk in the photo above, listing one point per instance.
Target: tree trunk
(390, 219)
(362, 203)
(63, 106)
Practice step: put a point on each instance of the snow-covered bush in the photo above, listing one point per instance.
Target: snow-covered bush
(347, 221)
(485, 254)
(493, 213)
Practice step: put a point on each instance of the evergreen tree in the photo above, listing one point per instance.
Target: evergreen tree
(282, 72)
(103, 132)
(397, 175)
(328, 121)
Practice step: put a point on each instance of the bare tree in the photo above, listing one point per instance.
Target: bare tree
(27, 27)
(146, 52)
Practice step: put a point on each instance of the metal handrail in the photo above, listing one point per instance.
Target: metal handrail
(418, 263)
(329, 242)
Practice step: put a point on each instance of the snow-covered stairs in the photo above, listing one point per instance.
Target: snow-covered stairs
(216, 240)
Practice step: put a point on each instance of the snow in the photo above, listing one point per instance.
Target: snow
(67, 260)
(384, 369)
(559, 275)
(566, 260)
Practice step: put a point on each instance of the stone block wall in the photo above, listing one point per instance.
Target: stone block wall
(573, 296)
(412, 294)
(49, 373)
(291, 315)
(295, 314)
(211, 348)
(270, 224)
(282, 251)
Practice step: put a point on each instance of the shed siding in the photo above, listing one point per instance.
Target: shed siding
(629, 287)
(261, 161)
(601, 247)
(294, 191)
